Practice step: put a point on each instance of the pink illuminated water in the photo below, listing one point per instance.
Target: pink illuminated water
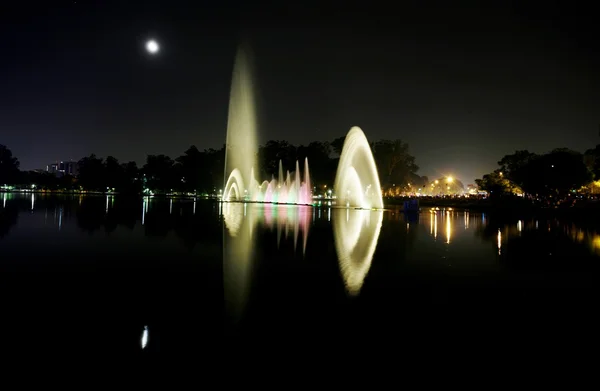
(276, 191)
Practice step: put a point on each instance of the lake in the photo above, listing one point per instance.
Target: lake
(93, 274)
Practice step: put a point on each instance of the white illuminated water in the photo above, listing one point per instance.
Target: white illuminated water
(145, 337)
(241, 144)
(355, 234)
(357, 181)
(356, 184)
(241, 148)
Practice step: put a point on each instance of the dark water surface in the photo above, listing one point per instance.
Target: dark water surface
(85, 275)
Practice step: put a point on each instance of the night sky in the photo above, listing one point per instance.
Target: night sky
(463, 85)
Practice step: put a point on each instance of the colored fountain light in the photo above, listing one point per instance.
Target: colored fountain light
(283, 190)
(357, 181)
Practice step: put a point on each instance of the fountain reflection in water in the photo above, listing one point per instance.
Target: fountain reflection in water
(356, 184)
(145, 337)
(287, 219)
(237, 258)
(238, 243)
(357, 181)
(356, 233)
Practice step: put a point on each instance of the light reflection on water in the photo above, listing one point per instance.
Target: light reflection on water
(294, 221)
(239, 242)
(448, 227)
(499, 242)
(355, 233)
(145, 337)
(355, 236)
(362, 251)
(458, 226)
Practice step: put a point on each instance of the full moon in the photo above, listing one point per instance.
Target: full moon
(152, 47)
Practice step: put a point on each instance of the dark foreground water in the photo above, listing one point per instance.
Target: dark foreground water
(84, 276)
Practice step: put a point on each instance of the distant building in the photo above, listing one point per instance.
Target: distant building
(70, 168)
(52, 168)
(61, 169)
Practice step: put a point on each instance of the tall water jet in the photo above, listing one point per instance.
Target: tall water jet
(241, 144)
(280, 177)
(306, 192)
(357, 181)
(241, 166)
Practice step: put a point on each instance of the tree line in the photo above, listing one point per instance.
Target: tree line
(553, 174)
(203, 171)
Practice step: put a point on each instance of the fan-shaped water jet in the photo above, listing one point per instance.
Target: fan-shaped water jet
(357, 181)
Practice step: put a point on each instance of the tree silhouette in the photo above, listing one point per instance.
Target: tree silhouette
(92, 173)
(555, 173)
(191, 163)
(114, 173)
(9, 166)
(161, 173)
(394, 163)
(337, 145)
(592, 161)
(274, 151)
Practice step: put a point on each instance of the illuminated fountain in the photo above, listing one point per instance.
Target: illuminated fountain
(283, 190)
(241, 147)
(355, 234)
(356, 184)
(357, 181)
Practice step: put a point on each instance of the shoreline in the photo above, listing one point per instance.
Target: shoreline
(591, 209)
